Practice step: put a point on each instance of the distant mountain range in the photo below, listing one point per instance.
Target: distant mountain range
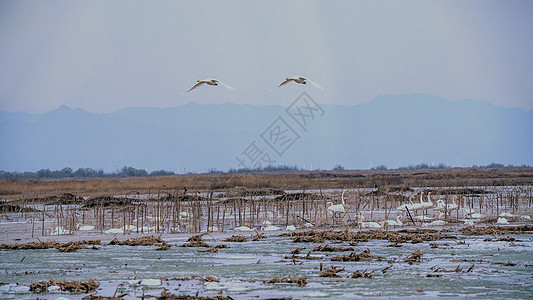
(391, 130)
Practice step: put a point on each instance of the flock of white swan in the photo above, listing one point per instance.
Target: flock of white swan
(440, 210)
(405, 214)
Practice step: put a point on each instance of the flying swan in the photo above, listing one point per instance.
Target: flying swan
(209, 81)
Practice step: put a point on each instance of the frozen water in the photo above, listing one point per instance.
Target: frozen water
(500, 269)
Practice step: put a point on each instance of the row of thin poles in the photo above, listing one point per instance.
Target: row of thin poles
(162, 215)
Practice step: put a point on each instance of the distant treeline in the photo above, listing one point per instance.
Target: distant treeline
(82, 173)
(442, 166)
(132, 172)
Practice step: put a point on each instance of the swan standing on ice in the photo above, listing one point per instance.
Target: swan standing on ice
(338, 208)
(397, 222)
(417, 206)
(300, 80)
(209, 81)
(408, 206)
(428, 204)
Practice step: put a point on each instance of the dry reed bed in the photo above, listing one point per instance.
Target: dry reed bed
(18, 188)
(172, 207)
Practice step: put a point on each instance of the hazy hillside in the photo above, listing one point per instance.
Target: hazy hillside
(390, 130)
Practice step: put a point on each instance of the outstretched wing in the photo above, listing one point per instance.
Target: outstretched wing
(286, 81)
(195, 86)
(229, 87)
(314, 84)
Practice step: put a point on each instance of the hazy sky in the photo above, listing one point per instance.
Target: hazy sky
(106, 55)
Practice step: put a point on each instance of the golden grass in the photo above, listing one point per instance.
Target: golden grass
(18, 188)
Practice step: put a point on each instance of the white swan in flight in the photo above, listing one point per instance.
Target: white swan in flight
(300, 80)
(209, 81)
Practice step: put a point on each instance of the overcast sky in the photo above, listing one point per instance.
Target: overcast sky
(106, 55)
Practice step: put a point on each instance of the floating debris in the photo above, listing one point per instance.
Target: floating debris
(164, 246)
(308, 256)
(236, 239)
(296, 251)
(300, 281)
(258, 237)
(73, 287)
(165, 295)
(215, 249)
(363, 256)
(329, 248)
(61, 247)
(494, 230)
(140, 241)
(73, 247)
(195, 241)
(414, 257)
(209, 279)
(359, 274)
(330, 272)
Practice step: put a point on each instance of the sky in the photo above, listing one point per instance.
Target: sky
(103, 56)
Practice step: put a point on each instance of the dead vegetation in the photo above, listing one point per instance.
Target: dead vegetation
(106, 201)
(300, 281)
(241, 191)
(258, 236)
(363, 256)
(140, 241)
(236, 239)
(329, 248)
(166, 295)
(196, 241)
(18, 188)
(494, 230)
(61, 247)
(414, 257)
(331, 272)
(364, 236)
(359, 274)
(13, 208)
(215, 249)
(73, 287)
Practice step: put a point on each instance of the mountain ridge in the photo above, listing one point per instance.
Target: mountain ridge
(391, 130)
